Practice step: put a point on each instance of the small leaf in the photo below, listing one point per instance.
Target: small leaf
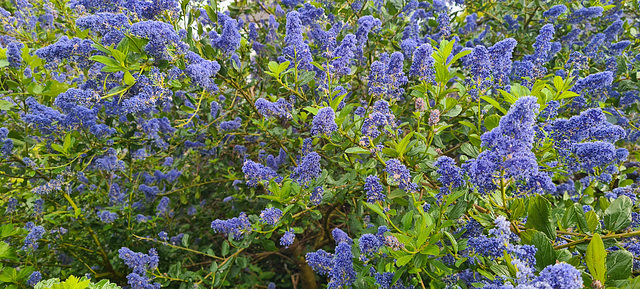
(494, 103)
(404, 260)
(619, 265)
(618, 215)
(545, 255)
(357, 150)
(5, 105)
(539, 209)
(492, 121)
(187, 109)
(595, 258)
(129, 79)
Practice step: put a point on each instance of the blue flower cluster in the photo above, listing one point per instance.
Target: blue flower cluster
(270, 216)
(450, 175)
(279, 109)
(374, 189)
(324, 122)
(509, 155)
(256, 173)
(387, 77)
(308, 169)
(237, 226)
(400, 175)
(140, 263)
(35, 234)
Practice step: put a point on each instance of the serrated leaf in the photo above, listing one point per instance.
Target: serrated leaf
(538, 216)
(545, 255)
(619, 265)
(403, 260)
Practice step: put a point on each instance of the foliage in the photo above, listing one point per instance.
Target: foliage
(339, 144)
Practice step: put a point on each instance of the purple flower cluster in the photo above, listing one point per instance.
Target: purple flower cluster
(6, 144)
(236, 227)
(255, 173)
(31, 240)
(140, 263)
(387, 77)
(270, 216)
(450, 175)
(14, 54)
(34, 278)
(74, 50)
(380, 117)
(287, 239)
(316, 196)
(508, 154)
(374, 189)
(400, 175)
(107, 217)
(422, 65)
(279, 109)
(201, 71)
(308, 169)
(110, 25)
(297, 51)
(229, 40)
(160, 35)
(324, 122)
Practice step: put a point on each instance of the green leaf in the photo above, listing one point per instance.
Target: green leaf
(6, 252)
(8, 230)
(581, 218)
(592, 220)
(45, 284)
(103, 284)
(595, 258)
(619, 265)
(376, 208)
(538, 216)
(470, 150)
(336, 101)
(459, 55)
(453, 241)
(494, 103)
(424, 234)
(357, 150)
(307, 77)
(5, 105)
(404, 260)
(492, 121)
(225, 249)
(57, 148)
(129, 79)
(545, 255)
(108, 61)
(273, 67)
(281, 67)
(187, 109)
(570, 218)
(558, 83)
(618, 215)
(456, 110)
(402, 145)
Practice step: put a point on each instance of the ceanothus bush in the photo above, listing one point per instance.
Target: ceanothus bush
(332, 144)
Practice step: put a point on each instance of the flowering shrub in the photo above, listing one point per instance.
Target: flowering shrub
(338, 144)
